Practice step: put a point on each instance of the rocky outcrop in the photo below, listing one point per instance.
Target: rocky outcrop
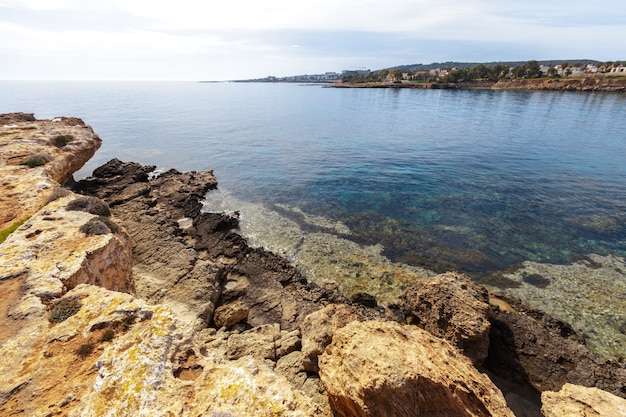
(37, 156)
(378, 368)
(591, 83)
(453, 307)
(118, 356)
(191, 260)
(529, 346)
(576, 401)
(606, 83)
(128, 299)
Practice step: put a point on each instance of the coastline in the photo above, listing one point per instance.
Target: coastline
(198, 318)
(606, 84)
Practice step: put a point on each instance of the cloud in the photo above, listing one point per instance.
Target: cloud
(191, 39)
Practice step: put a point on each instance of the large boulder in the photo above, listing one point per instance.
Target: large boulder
(453, 307)
(576, 401)
(378, 368)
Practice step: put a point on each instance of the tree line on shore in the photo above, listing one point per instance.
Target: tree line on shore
(479, 72)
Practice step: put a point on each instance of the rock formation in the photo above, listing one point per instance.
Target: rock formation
(122, 297)
(382, 368)
(37, 156)
(452, 307)
(529, 346)
(575, 401)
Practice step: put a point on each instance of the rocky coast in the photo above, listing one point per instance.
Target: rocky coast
(606, 84)
(122, 297)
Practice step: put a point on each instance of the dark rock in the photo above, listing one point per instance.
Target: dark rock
(9, 118)
(534, 348)
(200, 267)
(453, 307)
(364, 299)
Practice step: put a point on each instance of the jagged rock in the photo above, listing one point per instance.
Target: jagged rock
(575, 401)
(531, 347)
(198, 268)
(453, 307)
(318, 329)
(26, 143)
(378, 368)
(166, 268)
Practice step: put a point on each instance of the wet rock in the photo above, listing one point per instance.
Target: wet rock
(575, 401)
(582, 293)
(453, 307)
(380, 368)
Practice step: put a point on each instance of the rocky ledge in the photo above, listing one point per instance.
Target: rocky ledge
(121, 297)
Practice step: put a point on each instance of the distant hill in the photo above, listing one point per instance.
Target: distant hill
(512, 64)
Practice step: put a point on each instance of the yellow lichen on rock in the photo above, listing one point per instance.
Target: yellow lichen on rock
(25, 187)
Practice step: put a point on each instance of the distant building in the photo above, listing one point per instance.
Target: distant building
(361, 71)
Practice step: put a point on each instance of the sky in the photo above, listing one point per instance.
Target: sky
(228, 40)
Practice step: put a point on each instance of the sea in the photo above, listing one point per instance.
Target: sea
(374, 189)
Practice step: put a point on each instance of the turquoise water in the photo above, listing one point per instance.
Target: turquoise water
(477, 181)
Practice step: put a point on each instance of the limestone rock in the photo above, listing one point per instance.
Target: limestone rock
(259, 342)
(318, 329)
(262, 342)
(166, 268)
(228, 314)
(377, 368)
(123, 357)
(37, 157)
(575, 401)
(453, 307)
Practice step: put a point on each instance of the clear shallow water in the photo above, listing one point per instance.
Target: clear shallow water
(470, 180)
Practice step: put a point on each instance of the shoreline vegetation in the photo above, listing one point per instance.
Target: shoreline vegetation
(597, 83)
(583, 75)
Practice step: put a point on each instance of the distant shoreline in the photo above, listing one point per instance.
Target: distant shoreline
(608, 84)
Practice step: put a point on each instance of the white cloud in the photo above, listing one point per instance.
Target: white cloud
(191, 39)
